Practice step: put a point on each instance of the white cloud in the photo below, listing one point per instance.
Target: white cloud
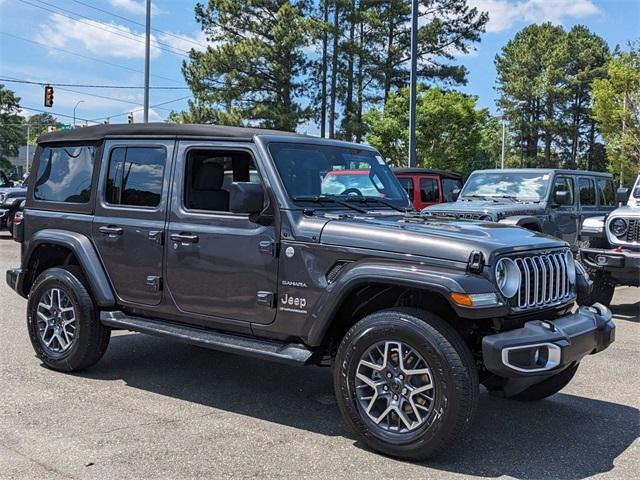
(100, 39)
(184, 42)
(503, 14)
(133, 6)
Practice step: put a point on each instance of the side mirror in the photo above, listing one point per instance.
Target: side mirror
(455, 193)
(12, 183)
(246, 197)
(562, 198)
(622, 195)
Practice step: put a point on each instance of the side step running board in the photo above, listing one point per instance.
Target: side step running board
(226, 342)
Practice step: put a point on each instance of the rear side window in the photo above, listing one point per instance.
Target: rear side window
(429, 191)
(135, 176)
(606, 193)
(587, 191)
(64, 174)
(407, 184)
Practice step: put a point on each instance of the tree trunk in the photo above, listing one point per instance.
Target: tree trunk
(348, 111)
(388, 68)
(334, 71)
(323, 80)
(592, 144)
(359, 82)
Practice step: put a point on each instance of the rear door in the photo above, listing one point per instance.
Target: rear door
(587, 197)
(129, 222)
(606, 195)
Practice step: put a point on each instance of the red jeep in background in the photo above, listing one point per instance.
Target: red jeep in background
(427, 186)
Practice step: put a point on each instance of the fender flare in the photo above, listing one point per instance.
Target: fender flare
(436, 280)
(520, 220)
(87, 256)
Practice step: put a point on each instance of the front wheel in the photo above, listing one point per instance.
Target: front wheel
(405, 382)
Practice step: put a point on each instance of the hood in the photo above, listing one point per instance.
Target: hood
(478, 208)
(432, 237)
(12, 190)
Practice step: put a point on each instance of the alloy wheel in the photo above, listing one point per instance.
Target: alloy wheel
(56, 321)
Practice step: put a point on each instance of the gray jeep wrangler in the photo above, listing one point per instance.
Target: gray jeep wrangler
(611, 247)
(225, 238)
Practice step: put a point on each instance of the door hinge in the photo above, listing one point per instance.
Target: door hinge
(265, 298)
(154, 282)
(268, 247)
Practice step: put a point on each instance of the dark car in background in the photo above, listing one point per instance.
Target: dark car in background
(428, 186)
(11, 197)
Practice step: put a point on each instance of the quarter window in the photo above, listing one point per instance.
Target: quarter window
(587, 191)
(64, 174)
(135, 176)
(429, 191)
(606, 193)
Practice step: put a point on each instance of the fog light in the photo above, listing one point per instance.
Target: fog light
(532, 358)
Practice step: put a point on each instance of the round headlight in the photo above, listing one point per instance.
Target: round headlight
(571, 266)
(486, 218)
(507, 277)
(618, 227)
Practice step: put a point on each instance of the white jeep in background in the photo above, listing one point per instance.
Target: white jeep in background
(611, 247)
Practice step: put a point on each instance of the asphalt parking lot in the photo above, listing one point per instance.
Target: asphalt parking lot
(154, 408)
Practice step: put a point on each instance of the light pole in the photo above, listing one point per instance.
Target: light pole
(74, 112)
(413, 84)
(147, 42)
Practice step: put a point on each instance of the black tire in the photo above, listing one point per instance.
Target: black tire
(91, 338)
(603, 285)
(548, 387)
(452, 369)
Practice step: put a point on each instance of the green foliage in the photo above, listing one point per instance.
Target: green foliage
(452, 133)
(616, 111)
(38, 125)
(544, 78)
(11, 130)
(250, 73)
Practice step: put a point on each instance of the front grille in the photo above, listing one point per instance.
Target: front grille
(544, 280)
(468, 216)
(633, 231)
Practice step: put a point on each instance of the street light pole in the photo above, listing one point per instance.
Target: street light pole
(413, 85)
(504, 123)
(74, 112)
(147, 42)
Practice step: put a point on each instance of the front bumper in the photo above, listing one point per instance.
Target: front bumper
(611, 260)
(15, 279)
(543, 348)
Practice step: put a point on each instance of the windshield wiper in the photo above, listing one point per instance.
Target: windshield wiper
(366, 199)
(326, 198)
(483, 197)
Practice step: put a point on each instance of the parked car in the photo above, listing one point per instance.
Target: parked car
(611, 247)
(159, 229)
(427, 186)
(10, 198)
(550, 201)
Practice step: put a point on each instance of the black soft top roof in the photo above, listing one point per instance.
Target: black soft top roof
(427, 171)
(98, 132)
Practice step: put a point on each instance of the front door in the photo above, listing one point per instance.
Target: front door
(219, 264)
(429, 191)
(564, 218)
(130, 216)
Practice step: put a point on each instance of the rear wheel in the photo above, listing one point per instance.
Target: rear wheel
(63, 322)
(405, 382)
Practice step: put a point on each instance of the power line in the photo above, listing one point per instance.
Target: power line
(82, 85)
(140, 24)
(140, 109)
(57, 114)
(104, 62)
(128, 35)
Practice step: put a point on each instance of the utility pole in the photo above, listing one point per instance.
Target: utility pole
(147, 43)
(74, 112)
(624, 126)
(504, 125)
(26, 162)
(413, 86)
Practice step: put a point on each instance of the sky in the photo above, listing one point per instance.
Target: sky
(100, 42)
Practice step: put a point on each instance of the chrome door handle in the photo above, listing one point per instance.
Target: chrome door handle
(111, 230)
(184, 238)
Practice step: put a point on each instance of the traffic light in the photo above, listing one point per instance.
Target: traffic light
(130, 118)
(48, 96)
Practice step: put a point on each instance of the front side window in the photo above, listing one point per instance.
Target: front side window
(606, 192)
(522, 186)
(310, 171)
(4, 181)
(135, 176)
(448, 186)
(429, 191)
(407, 184)
(64, 174)
(587, 191)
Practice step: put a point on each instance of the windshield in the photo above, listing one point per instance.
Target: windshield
(525, 186)
(323, 171)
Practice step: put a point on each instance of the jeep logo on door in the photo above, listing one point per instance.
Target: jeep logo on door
(289, 303)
